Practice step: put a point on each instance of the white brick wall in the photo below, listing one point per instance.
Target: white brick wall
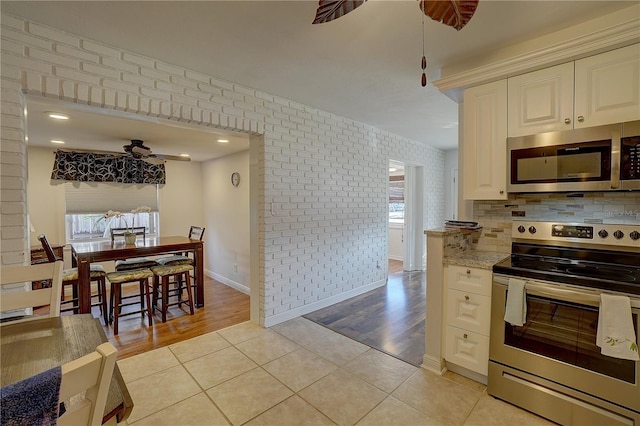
(322, 179)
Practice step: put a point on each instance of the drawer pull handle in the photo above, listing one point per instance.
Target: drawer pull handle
(464, 335)
(468, 271)
(466, 298)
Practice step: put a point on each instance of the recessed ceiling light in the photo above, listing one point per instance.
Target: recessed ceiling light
(57, 141)
(223, 140)
(57, 116)
(393, 169)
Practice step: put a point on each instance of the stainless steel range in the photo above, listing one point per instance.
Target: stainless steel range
(551, 364)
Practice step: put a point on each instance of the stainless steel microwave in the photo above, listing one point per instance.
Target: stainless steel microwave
(602, 158)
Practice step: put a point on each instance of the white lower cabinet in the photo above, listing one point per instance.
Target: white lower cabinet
(468, 317)
(467, 349)
(468, 311)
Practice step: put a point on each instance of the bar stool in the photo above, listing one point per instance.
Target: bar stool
(195, 233)
(117, 279)
(161, 275)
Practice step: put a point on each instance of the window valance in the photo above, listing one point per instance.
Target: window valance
(98, 167)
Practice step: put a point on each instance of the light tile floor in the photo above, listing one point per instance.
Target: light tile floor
(299, 373)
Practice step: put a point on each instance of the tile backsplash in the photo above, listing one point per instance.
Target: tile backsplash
(602, 207)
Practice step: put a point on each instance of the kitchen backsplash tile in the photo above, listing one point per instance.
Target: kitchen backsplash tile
(457, 243)
(602, 207)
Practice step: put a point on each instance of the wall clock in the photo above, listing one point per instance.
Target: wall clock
(235, 178)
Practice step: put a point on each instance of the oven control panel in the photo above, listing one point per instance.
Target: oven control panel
(624, 236)
(572, 231)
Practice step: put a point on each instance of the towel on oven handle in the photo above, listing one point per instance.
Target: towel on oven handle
(516, 310)
(616, 336)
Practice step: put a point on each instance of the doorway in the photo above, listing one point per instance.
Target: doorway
(406, 211)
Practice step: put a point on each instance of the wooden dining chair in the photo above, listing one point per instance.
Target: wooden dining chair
(89, 375)
(70, 278)
(15, 297)
(71, 394)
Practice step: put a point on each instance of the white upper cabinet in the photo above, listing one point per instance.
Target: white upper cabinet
(607, 87)
(485, 142)
(600, 89)
(541, 101)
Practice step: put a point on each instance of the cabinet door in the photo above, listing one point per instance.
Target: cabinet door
(472, 280)
(485, 142)
(467, 349)
(608, 87)
(469, 311)
(541, 101)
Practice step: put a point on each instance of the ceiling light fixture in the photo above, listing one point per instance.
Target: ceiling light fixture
(393, 169)
(184, 155)
(223, 140)
(57, 141)
(57, 116)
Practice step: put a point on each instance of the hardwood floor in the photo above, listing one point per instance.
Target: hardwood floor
(390, 318)
(223, 307)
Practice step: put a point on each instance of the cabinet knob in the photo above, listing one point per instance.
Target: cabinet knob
(466, 298)
(468, 271)
(567, 121)
(501, 192)
(580, 118)
(465, 335)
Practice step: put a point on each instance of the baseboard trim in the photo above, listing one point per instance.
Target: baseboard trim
(477, 377)
(435, 365)
(303, 310)
(229, 282)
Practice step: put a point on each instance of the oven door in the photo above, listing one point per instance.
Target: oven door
(558, 342)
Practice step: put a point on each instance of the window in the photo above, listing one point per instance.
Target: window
(396, 199)
(87, 202)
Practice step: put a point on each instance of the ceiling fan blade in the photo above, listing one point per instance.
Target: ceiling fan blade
(152, 160)
(454, 13)
(170, 157)
(328, 10)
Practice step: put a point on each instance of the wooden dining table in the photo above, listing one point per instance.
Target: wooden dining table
(84, 253)
(29, 348)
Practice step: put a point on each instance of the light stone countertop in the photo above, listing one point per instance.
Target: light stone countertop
(476, 259)
(444, 232)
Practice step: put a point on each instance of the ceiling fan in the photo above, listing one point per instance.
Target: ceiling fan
(138, 150)
(454, 13)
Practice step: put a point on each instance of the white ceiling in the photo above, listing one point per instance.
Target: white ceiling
(364, 65)
(91, 128)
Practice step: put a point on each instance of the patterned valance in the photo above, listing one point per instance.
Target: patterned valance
(94, 167)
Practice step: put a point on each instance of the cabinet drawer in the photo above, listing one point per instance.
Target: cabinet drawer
(467, 349)
(469, 311)
(471, 280)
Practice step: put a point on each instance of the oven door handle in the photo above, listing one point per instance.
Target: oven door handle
(560, 292)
